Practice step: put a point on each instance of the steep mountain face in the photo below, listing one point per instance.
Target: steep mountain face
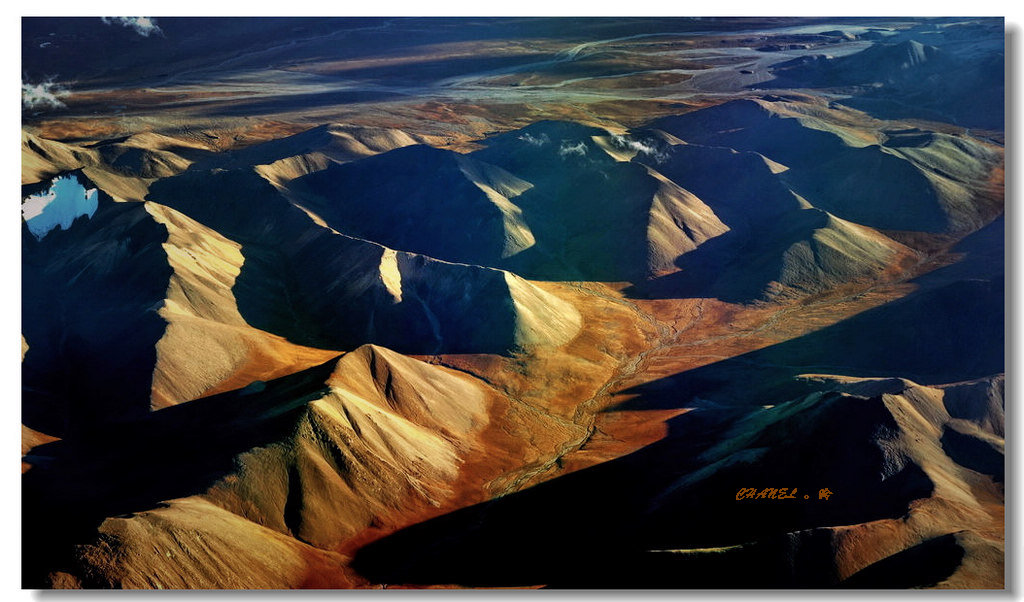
(879, 472)
(739, 186)
(904, 56)
(961, 340)
(123, 167)
(133, 159)
(282, 160)
(883, 63)
(886, 452)
(779, 243)
(337, 142)
(135, 310)
(807, 251)
(354, 357)
(42, 159)
(93, 324)
(503, 206)
(179, 311)
(390, 430)
(870, 184)
(679, 222)
(294, 466)
(592, 215)
(340, 291)
(908, 78)
(424, 200)
(207, 345)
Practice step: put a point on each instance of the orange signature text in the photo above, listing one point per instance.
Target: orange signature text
(785, 493)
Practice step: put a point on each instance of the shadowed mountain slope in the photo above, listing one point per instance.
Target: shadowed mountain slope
(909, 78)
(962, 339)
(545, 202)
(892, 485)
(317, 303)
(92, 325)
(134, 307)
(923, 185)
(424, 200)
(601, 218)
(882, 63)
(294, 466)
(123, 168)
(776, 245)
(336, 142)
(809, 251)
(318, 287)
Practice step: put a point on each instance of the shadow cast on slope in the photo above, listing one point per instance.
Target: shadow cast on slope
(865, 185)
(134, 465)
(672, 519)
(714, 269)
(937, 335)
(318, 288)
(739, 266)
(912, 80)
(922, 566)
(89, 315)
(580, 531)
(589, 213)
(544, 201)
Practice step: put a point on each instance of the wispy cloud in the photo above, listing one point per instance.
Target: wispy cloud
(144, 26)
(44, 95)
(535, 140)
(643, 147)
(565, 149)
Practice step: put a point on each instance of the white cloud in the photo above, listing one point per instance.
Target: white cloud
(565, 149)
(144, 26)
(44, 95)
(535, 141)
(641, 147)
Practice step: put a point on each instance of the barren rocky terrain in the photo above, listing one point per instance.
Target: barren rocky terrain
(528, 302)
